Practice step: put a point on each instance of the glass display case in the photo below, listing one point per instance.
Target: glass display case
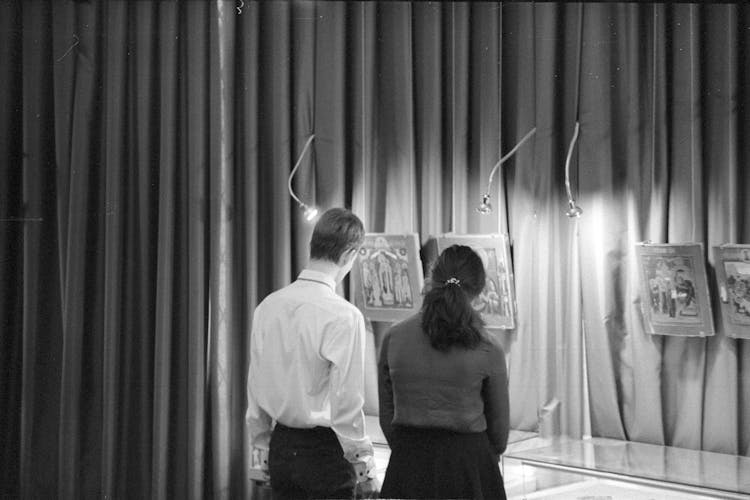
(604, 468)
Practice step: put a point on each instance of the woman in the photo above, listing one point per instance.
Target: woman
(443, 390)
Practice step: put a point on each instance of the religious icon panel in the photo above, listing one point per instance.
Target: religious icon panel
(733, 280)
(497, 302)
(387, 277)
(674, 289)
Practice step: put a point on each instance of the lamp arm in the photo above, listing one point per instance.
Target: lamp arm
(508, 155)
(296, 166)
(567, 162)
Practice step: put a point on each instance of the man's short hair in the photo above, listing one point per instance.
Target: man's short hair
(337, 230)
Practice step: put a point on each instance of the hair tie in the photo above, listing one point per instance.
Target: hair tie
(453, 281)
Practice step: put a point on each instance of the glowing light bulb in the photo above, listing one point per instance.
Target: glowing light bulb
(310, 212)
(573, 209)
(485, 207)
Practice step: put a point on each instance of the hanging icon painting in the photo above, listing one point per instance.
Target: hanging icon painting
(387, 277)
(733, 281)
(674, 289)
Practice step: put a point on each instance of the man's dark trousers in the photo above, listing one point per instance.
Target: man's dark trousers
(309, 463)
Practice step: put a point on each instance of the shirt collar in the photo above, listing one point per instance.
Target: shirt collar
(318, 277)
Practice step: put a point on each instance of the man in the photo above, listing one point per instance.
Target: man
(307, 352)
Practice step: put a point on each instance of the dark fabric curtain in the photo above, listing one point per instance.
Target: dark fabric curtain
(106, 134)
(145, 149)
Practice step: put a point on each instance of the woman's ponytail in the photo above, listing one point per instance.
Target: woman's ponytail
(448, 319)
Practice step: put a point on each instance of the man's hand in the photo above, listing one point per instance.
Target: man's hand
(259, 457)
(364, 467)
(368, 489)
(368, 485)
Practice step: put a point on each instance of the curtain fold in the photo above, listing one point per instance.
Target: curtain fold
(719, 127)
(226, 362)
(646, 205)
(392, 188)
(683, 359)
(11, 248)
(196, 56)
(114, 157)
(136, 414)
(166, 128)
(41, 313)
(519, 48)
(145, 149)
(247, 204)
(603, 107)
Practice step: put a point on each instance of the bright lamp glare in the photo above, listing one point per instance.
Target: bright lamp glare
(310, 212)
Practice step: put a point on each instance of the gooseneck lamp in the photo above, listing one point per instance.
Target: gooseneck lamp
(485, 207)
(310, 212)
(573, 209)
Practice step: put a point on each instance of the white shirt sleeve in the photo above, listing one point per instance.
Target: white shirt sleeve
(344, 346)
(257, 420)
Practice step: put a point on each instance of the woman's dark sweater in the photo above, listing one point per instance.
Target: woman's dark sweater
(463, 390)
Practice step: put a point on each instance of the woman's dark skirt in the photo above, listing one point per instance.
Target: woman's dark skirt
(436, 463)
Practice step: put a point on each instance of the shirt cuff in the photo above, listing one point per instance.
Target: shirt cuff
(364, 468)
(355, 449)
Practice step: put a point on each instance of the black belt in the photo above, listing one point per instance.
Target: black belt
(311, 430)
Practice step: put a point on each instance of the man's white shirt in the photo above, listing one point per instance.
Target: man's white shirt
(307, 354)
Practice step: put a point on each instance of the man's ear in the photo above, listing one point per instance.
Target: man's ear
(347, 256)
